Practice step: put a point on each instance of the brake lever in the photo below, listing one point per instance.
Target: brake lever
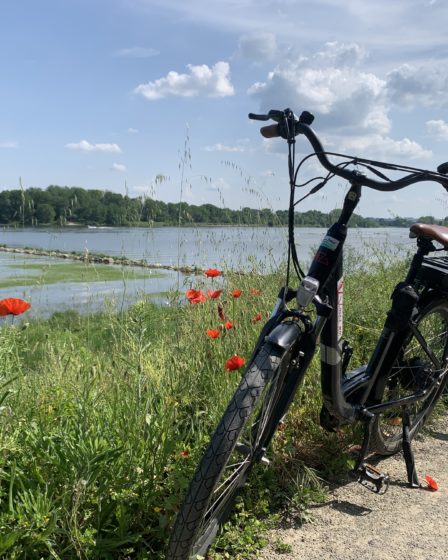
(273, 114)
(255, 117)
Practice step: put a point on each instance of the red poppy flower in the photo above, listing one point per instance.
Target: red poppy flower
(213, 333)
(235, 362)
(13, 306)
(221, 312)
(236, 293)
(195, 296)
(229, 325)
(432, 484)
(212, 273)
(215, 294)
(255, 292)
(258, 317)
(191, 294)
(184, 453)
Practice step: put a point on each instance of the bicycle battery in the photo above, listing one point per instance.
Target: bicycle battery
(433, 273)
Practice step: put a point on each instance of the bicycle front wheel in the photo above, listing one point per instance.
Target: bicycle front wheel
(233, 449)
(414, 371)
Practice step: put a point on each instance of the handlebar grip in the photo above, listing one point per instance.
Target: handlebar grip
(270, 131)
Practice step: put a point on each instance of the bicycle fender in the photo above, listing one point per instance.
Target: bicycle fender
(284, 335)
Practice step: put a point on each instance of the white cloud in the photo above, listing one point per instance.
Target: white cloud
(331, 84)
(9, 144)
(223, 148)
(137, 52)
(376, 145)
(85, 146)
(119, 167)
(409, 86)
(352, 106)
(258, 47)
(392, 27)
(132, 130)
(201, 80)
(438, 129)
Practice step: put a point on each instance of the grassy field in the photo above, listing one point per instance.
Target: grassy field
(104, 418)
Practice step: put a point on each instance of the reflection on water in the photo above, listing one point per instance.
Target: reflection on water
(222, 247)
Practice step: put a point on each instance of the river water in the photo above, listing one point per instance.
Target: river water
(222, 247)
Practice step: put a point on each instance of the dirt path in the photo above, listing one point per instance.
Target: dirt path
(356, 524)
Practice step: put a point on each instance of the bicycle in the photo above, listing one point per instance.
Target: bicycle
(392, 395)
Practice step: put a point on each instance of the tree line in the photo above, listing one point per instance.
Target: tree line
(63, 206)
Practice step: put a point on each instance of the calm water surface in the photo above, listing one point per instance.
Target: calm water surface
(221, 247)
(203, 247)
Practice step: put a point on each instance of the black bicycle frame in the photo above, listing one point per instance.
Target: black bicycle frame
(337, 386)
(344, 395)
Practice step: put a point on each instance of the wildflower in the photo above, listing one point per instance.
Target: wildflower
(199, 299)
(255, 292)
(229, 325)
(235, 362)
(13, 306)
(213, 333)
(236, 293)
(215, 294)
(258, 317)
(195, 296)
(184, 453)
(157, 509)
(221, 312)
(190, 294)
(212, 273)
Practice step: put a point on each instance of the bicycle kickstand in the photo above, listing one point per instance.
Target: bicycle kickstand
(408, 453)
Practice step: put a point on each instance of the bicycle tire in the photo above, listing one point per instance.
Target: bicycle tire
(195, 527)
(413, 371)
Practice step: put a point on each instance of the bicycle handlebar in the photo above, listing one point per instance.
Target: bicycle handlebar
(281, 130)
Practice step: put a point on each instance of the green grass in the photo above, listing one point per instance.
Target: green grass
(72, 272)
(99, 412)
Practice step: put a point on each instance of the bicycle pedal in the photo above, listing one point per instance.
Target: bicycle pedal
(372, 479)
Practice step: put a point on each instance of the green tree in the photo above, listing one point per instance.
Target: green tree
(45, 214)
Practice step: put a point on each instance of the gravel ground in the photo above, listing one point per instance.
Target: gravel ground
(356, 524)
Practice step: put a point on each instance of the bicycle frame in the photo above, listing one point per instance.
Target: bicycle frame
(356, 395)
(344, 394)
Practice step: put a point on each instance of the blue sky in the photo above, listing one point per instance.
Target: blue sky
(105, 94)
